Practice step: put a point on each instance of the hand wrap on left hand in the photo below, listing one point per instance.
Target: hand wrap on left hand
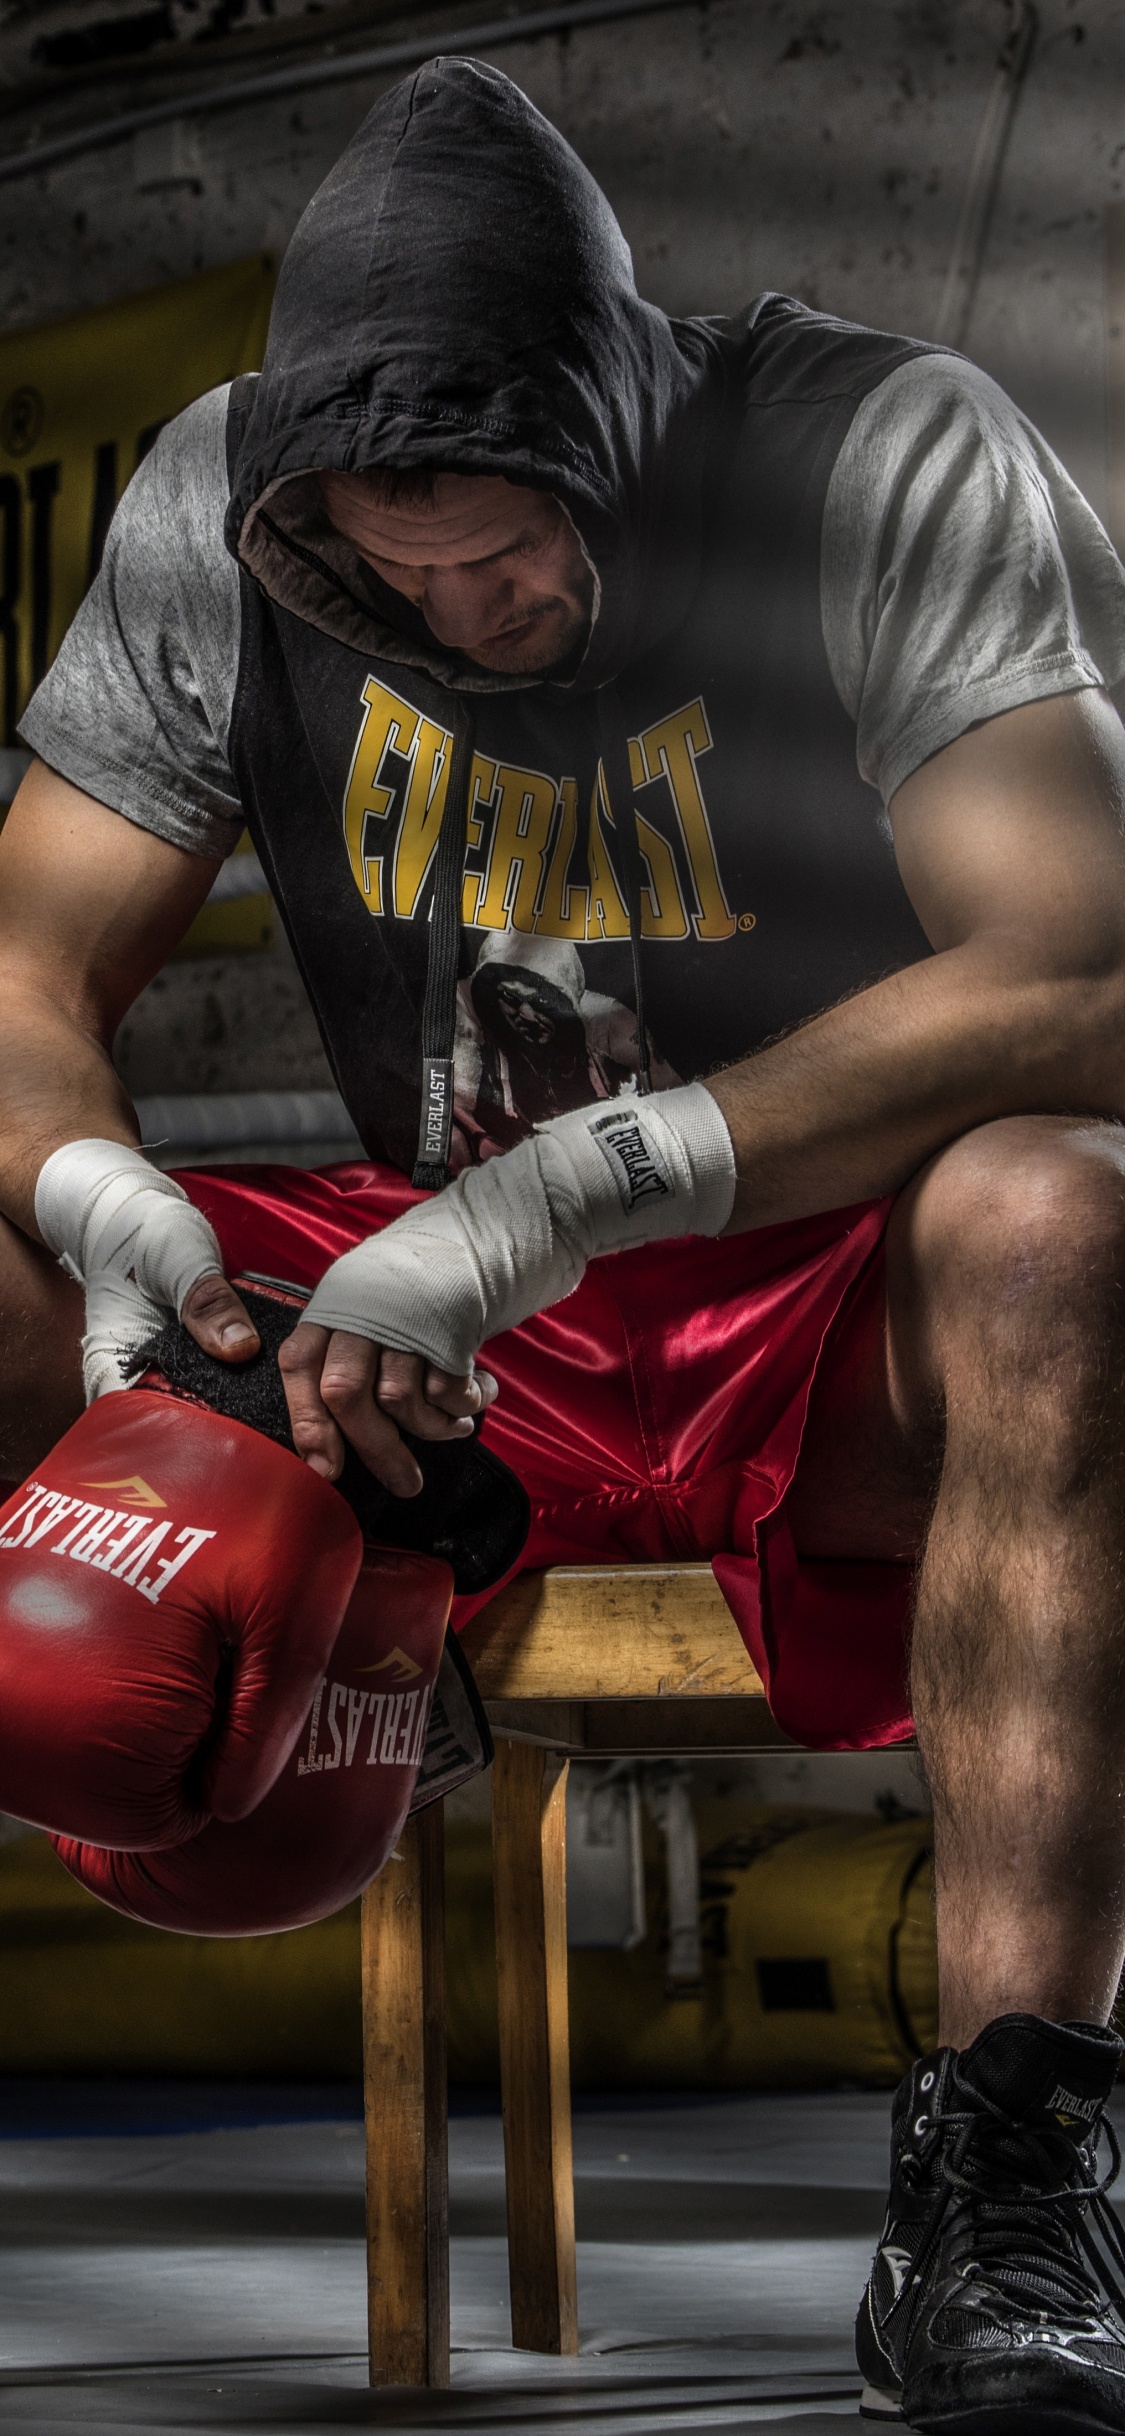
(509, 1238)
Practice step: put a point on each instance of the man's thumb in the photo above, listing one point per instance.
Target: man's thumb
(220, 1324)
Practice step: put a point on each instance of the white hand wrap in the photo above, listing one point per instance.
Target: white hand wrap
(512, 1236)
(132, 1238)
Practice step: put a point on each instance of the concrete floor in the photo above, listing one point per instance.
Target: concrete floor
(194, 2260)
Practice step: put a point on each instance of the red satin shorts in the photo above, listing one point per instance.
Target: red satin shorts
(657, 1414)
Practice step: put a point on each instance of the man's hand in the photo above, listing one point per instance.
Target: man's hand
(391, 1335)
(142, 1251)
(343, 1387)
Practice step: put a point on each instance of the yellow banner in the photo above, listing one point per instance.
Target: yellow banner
(81, 402)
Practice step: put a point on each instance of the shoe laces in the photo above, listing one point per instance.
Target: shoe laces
(1021, 2204)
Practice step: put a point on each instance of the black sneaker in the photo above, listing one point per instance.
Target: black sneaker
(888, 2307)
(996, 2302)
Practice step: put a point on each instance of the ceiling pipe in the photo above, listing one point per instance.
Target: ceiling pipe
(382, 59)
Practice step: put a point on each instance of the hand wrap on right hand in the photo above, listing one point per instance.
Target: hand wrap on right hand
(132, 1237)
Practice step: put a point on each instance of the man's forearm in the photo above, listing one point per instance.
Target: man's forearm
(851, 1105)
(58, 1085)
(91, 906)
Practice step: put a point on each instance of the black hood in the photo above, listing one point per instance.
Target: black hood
(458, 295)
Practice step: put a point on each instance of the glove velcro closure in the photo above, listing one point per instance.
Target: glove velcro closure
(471, 1511)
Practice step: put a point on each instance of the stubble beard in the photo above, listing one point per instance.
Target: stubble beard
(559, 629)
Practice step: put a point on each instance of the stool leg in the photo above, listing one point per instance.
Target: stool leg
(404, 2085)
(529, 1872)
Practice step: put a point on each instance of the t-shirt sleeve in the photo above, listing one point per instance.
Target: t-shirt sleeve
(962, 572)
(136, 708)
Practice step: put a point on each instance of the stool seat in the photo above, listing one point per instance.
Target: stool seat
(578, 1659)
(616, 1659)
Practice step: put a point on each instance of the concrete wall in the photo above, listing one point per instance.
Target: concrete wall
(744, 144)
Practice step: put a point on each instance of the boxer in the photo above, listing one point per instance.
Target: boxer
(684, 756)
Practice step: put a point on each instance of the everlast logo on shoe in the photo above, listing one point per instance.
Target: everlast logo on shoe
(117, 1543)
(637, 1170)
(398, 1727)
(1065, 2102)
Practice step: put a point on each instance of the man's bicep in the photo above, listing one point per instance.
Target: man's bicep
(91, 904)
(1018, 827)
(962, 573)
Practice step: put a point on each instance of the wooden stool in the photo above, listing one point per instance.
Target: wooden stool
(597, 1661)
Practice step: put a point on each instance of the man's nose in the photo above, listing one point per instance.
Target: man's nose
(462, 608)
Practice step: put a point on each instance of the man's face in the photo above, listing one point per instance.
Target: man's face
(526, 1016)
(497, 572)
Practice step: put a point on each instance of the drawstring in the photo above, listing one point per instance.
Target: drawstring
(623, 813)
(439, 1008)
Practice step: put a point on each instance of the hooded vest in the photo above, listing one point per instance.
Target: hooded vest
(762, 882)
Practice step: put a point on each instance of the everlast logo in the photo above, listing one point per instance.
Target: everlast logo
(120, 1544)
(537, 859)
(637, 1171)
(398, 1727)
(132, 1491)
(1065, 2102)
(395, 1663)
(433, 1140)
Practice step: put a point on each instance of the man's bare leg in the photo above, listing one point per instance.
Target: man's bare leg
(1004, 1385)
(1008, 1308)
(41, 1319)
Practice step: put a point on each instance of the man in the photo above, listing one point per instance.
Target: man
(539, 615)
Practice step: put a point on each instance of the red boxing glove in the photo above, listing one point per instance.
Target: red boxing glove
(336, 1811)
(171, 1585)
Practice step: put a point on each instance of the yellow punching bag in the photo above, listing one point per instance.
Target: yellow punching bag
(823, 1947)
(819, 1963)
(818, 1967)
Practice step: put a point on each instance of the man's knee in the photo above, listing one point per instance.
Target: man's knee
(1009, 1250)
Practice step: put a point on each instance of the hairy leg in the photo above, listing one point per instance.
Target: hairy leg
(40, 1353)
(998, 1396)
(1007, 1299)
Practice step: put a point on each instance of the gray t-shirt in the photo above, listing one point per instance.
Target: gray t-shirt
(962, 573)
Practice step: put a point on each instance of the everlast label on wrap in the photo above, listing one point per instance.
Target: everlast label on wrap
(634, 1162)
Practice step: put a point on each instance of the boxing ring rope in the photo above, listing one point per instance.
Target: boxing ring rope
(174, 1123)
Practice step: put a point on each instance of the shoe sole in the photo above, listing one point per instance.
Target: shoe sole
(874, 2405)
(1010, 2419)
